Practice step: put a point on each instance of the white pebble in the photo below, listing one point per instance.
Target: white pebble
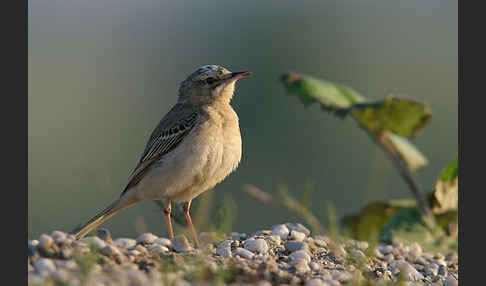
(280, 230)
(243, 253)
(299, 254)
(415, 250)
(146, 238)
(181, 244)
(316, 282)
(44, 266)
(45, 241)
(297, 235)
(157, 248)
(125, 242)
(164, 242)
(256, 245)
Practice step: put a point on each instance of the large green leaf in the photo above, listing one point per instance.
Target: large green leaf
(405, 117)
(330, 95)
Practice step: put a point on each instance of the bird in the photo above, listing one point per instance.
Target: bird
(195, 146)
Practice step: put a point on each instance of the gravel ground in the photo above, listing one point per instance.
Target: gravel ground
(284, 254)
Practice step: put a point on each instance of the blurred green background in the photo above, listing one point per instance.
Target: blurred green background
(102, 74)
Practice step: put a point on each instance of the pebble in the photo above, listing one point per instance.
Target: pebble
(314, 266)
(45, 241)
(58, 236)
(281, 230)
(110, 250)
(297, 235)
(164, 242)
(181, 244)
(415, 250)
(237, 236)
(224, 248)
(256, 245)
(300, 254)
(301, 266)
(295, 246)
(276, 239)
(157, 248)
(410, 272)
(44, 266)
(316, 282)
(243, 253)
(125, 242)
(103, 234)
(146, 238)
(298, 227)
(450, 281)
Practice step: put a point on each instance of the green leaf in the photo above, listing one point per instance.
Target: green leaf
(404, 117)
(330, 95)
(450, 171)
(446, 190)
(407, 225)
(407, 151)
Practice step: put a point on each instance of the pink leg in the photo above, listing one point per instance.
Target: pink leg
(167, 219)
(187, 205)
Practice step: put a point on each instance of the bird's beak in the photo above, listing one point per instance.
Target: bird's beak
(237, 75)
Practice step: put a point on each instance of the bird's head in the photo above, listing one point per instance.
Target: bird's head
(209, 84)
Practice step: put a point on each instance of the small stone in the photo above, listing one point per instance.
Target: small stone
(164, 242)
(451, 281)
(276, 239)
(103, 234)
(295, 246)
(110, 250)
(60, 275)
(300, 254)
(280, 230)
(320, 242)
(93, 241)
(343, 277)
(432, 269)
(224, 248)
(140, 248)
(243, 253)
(442, 271)
(256, 245)
(58, 236)
(134, 252)
(44, 266)
(157, 248)
(181, 244)
(237, 236)
(410, 272)
(146, 238)
(301, 266)
(314, 266)
(45, 241)
(415, 250)
(420, 261)
(297, 235)
(358, 255)
(125, 242)
(385, 249)
(316, 282)
(362, 245)
(298, 227)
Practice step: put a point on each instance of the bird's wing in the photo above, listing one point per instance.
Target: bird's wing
(170, 131)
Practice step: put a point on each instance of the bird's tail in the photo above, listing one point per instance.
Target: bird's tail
(98, 219)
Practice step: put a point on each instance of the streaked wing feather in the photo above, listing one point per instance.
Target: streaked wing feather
(169, 133)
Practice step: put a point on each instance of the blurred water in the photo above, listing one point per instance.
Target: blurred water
(102, 73)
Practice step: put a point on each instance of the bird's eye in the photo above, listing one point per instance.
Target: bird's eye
(210, 80)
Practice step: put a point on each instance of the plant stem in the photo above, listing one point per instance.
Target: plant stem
(406, 176)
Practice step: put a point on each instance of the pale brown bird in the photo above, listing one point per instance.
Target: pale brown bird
(193, 148)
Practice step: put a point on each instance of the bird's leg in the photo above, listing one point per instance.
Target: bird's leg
(167, 219)
(187, 205)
